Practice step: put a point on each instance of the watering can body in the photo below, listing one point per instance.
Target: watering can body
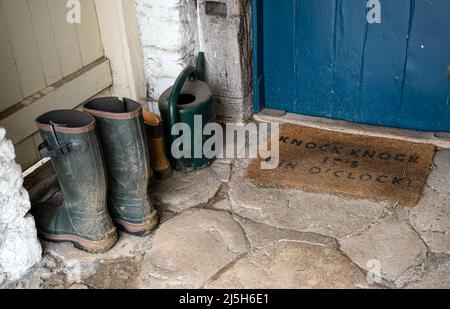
(184, 102)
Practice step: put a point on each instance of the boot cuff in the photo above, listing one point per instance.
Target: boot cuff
(150, 118)
(66, 121)
(113, 108)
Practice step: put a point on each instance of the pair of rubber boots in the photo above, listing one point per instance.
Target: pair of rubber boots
(102, 162)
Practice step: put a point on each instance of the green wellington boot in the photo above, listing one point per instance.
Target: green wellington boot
(124, 143)
(79, 213)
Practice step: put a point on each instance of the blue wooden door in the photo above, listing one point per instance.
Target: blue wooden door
(322, 58)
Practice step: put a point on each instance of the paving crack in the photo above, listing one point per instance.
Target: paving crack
(416, 272)
(217, 197)
(411, 226)
(244, 232)
(225, 269)
(385, 283)
(332, 241)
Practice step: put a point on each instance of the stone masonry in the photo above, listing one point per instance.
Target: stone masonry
(168, 35)
(19, 246)
(225, 36)
(172, 32)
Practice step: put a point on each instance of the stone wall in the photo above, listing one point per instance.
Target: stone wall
(19, 246)
(225, 28)
(168, 34)
(173, 31)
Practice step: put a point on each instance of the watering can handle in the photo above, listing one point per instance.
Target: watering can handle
(190, 73)
(176, 91)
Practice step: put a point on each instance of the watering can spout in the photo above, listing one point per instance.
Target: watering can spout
(200, 66)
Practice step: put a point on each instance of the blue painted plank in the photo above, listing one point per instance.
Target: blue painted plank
(314, 40)
(258, 60)
(426, 93)
(279, 53)
(349, 35)
(383, 65)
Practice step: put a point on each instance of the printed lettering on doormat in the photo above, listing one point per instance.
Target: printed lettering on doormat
(317, 160)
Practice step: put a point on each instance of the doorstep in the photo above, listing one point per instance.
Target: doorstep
(441, 140)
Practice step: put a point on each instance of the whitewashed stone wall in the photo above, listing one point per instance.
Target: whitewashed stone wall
(173, 31)
(168, 34)
(19, 246)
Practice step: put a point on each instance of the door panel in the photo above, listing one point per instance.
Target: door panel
(46, 63)
(383, 65)
(426, 97)
(322, 58)
(66, 38)
(316, 50)
(16, 19)
(43, 30)
(281, 48)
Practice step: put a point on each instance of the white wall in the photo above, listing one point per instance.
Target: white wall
(168, 34)
(19, 246)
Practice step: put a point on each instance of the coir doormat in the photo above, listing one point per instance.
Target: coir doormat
(317, 160)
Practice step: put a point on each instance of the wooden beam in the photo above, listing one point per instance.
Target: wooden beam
(67, 93)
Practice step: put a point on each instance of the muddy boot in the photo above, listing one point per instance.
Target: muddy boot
(156, 146)
(124, 143)
(79, 213)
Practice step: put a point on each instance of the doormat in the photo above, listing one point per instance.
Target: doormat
(317, 160)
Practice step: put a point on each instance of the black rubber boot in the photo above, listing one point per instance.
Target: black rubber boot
(124, 143)
(79, 213)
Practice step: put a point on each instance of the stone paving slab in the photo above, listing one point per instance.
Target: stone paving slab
(260, 235)
(291, 265)
(431, 217)
(436, 278)
(222, 170)
(394, 245)
(191, 248)
(328, 215)
(183, 191)
(64, 266)
(223, 204)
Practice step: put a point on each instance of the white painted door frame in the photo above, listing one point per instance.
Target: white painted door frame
(120, 36)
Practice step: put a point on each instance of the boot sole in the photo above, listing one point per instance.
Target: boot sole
(142, 229)
(91, 246)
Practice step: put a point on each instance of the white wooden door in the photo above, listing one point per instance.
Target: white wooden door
(46, 63)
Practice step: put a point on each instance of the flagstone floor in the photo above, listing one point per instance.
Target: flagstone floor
(218, 230)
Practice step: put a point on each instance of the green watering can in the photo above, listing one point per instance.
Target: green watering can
(188, 100)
